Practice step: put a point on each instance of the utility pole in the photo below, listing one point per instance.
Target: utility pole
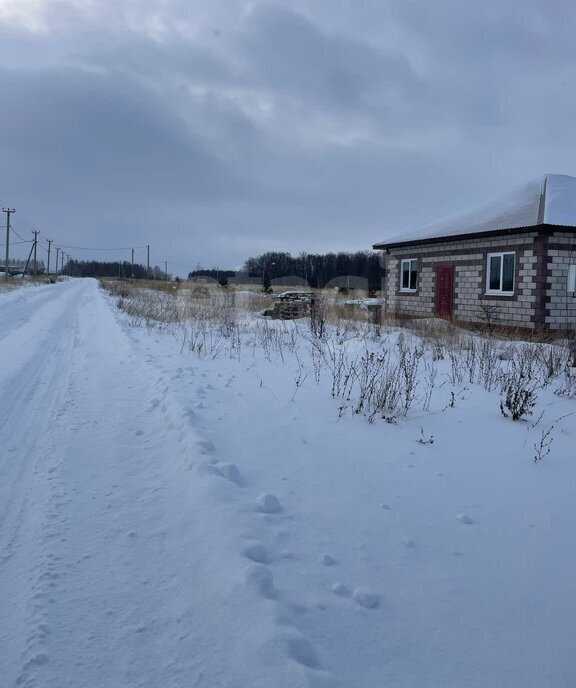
(166, 270)
(132, 268)
(148, 262)
(35, 232)
(8, 212)
(57, 257)
(48, 266)
(28, 261)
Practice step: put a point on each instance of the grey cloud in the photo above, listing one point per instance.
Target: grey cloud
(209, 143)
(169, 60)
(503, 35)
(105, 136)
(502, 61)
(289, 51)
(293, 55)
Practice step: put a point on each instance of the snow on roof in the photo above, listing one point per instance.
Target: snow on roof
(550, 199)
(560, 200)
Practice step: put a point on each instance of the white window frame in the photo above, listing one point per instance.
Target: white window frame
(572, 279)
(500, 292)
(408, 289)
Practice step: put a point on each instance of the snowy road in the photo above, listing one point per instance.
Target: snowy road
(110, 572)
(136, 549)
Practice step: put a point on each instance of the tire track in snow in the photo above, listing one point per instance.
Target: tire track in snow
(24, 306)
(30, 399)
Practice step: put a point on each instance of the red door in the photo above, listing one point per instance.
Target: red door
(444, 291)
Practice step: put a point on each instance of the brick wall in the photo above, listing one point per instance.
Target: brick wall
(560, 312)
(524, 309)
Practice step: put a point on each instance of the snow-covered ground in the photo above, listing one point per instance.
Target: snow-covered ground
(216, 518)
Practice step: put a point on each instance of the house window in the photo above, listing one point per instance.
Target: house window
(572, 279)
(408, 274)
(500, 273)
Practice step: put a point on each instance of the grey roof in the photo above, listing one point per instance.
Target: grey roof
(550, 199)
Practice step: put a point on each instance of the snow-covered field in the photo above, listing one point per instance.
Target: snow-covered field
(219, 502)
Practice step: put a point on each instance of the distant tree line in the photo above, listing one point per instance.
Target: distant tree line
(98, 268)
(317, 269)
(20, 263)
(221, 276)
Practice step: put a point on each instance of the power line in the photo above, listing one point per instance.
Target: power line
(184, 265)
(20, 237)
(17, 243)
(45, 246)
(87, 248)
(20, 217)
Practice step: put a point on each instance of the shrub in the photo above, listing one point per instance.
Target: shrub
(519, 397)
(318, 317)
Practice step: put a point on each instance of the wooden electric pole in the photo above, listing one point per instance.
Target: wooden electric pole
(8, 212)
(48, 266)
(57, 257)
(35, 232)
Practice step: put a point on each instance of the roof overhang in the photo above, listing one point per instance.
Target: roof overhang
(543, 229)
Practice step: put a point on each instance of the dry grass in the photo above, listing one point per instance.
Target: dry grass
(246, 297)
(117, 285)
(7, 285)
(377, 370)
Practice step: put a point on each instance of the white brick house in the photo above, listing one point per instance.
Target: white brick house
(514, 262)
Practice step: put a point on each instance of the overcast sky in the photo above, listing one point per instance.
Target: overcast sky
(215, 130)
